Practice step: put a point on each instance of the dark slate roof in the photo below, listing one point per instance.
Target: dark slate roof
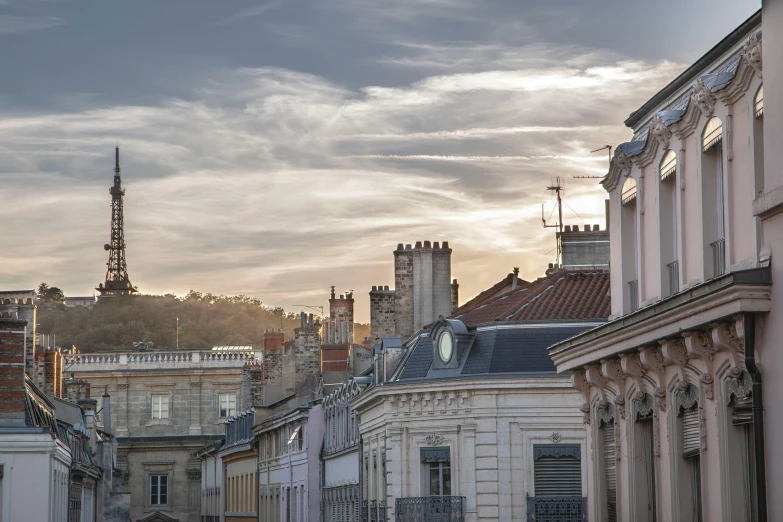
(521, 348)
(564, 295)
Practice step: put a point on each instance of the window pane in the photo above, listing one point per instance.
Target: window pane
(446, 480)
(434, 479)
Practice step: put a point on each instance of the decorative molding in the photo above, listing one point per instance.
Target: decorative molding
(699, 345)
(579, 382)
(193, 473)
(728, 342)
(434, 439)
(555, 437)
(660, 131)
(622, 162)
(439, 454)
(703, 98)
(597, 381)
(686, 399)
(740, 387)
(632, 367)
(652, 360)
(675, 353)
(751, 53)
(605, 415)
(610, 368)
(643, 408)
(560, 451)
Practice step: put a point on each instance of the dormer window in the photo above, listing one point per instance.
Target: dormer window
(446, 346)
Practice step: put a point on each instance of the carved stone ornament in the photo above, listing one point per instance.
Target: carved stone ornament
(434, 439)
(622, 161)
(579, 382)
(605, 415)
(703, 97)
(740, 387)
(643, 408)
(687, 399)
(555, 437)
(442, 454)
(660, 131)
(193, 473)
(751, 52)
(565, 451)
(725, 339)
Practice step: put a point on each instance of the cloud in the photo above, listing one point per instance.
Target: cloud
(10, 24)
(251, 12)
(278, 183)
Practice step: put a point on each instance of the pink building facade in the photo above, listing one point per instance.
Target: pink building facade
(672, 390)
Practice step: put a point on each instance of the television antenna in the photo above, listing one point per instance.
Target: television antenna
(313, 307)
(605, 147)
(558, 189)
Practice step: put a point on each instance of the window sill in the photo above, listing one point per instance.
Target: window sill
(159, 422)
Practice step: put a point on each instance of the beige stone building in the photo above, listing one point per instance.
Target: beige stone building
(166, 405)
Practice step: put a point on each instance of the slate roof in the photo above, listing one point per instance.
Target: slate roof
(521, 349)
(564, 295)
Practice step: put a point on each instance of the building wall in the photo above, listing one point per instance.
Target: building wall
(586, 248)
(308, 347)
(772, 230)
(241, 486)
(489, 428)
(382, 312)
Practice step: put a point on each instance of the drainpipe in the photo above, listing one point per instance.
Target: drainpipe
(749, 325)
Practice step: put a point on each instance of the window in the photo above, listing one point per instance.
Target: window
(713, 202)
(159, 490)
(689, 476)
(643, 464)
(609, 448)
(669, 233)
(160, 406)
(628, 231)
(557, 470)
(227, 404)
(437, 471)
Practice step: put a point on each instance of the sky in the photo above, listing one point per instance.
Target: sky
(276, 148)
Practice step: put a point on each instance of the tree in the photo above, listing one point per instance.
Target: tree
(49, 294)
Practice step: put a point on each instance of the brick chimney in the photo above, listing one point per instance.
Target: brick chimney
(12, 372)
(273, 365)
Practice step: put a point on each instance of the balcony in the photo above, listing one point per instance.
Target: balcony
(430, 509)
(556, 509)
(718, 257)
(674, 276)
(373, 511)
(633, 293)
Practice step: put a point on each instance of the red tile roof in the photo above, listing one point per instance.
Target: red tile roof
(501, 287)
(564, 295)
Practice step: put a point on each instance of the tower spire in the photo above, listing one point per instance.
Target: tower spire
(117, 282)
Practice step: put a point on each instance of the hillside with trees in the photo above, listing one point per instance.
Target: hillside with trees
(205, 320)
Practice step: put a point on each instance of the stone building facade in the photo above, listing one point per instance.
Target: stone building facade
(423, 291)
(165, 407)
(671, 385)
(584, 249)
(468, 417)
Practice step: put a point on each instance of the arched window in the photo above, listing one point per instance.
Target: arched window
(758, 103)
(689, 445)
(628, 231)
(643, 474)
(607, 434)
(669, 233)
(713, 199)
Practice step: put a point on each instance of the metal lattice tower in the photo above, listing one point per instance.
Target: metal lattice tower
(117, 282)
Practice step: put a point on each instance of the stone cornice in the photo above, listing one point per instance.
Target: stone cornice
(734, 293)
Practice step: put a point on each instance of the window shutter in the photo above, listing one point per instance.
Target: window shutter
(690, 432)
(610, 465)
(557, 470)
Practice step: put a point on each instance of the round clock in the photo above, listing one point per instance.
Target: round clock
(446, 346)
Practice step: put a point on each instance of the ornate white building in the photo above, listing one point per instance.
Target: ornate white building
(468, 419)
(671, 385)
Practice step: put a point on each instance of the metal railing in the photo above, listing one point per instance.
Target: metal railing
(633, 292)
(718, 257)
(430, 509)
(556, 509)
(674, 276)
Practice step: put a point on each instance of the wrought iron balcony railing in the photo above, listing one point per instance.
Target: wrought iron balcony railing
(674, 276)
(718, 257)
(556, 509)
(633, 293)
(430, 509)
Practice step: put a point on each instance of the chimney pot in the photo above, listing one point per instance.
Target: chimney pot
(445, 245)
(408, 246)
(427, 244)
(386, 287)
(418, 244)
(436, 245)
(374, 289)
(596, 228)
(551, 266)
(399, 246)
(567, 228)
(575, 228)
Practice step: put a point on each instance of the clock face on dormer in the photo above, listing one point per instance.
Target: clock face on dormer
(445, 346)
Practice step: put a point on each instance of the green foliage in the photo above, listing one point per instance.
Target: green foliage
(205, 320)
(49, 294)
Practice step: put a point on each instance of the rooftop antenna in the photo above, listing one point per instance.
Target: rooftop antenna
(558, 189)
(605, 147)
(313, 307)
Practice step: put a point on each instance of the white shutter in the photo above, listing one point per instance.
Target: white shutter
(610, 467)
(690, 432)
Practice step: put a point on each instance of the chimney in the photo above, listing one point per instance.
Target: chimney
(106, 400)
(514, 278)
(12, 389)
